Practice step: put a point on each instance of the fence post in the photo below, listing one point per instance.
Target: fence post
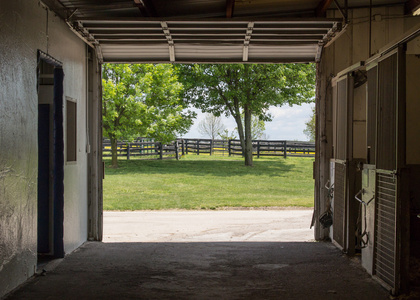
(161, 150)
(198, 147)
(229, 147)
(258, 149)
(285, 149)
(176, 150)
(128, 151)
(186, 147)
(182, 145)
(211, 147)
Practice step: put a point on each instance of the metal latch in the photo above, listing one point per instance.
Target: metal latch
(361, 192)
(330, 189)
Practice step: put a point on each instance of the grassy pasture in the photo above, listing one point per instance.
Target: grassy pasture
(208, 182)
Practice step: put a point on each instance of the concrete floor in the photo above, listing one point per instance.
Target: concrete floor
(214, 264)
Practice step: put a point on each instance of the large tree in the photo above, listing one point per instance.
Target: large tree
(142, 100)
(257, 127)
(248, 89)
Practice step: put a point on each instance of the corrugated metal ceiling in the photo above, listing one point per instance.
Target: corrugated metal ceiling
(203, 30)
(208, 41)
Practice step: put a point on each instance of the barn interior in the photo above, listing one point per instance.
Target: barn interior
(367, 165)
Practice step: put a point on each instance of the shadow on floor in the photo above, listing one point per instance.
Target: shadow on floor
(225, 270)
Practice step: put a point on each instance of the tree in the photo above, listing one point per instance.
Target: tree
(309, 131)
(142, 100)
(225, 135)
(257, 127)
(211, 126)
(248, 89)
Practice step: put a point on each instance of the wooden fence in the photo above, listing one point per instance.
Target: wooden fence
(141, 148)
(275, 148)
(205, 146)
(155, 150)
(259, 147)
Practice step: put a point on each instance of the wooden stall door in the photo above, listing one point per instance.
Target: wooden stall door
(387, 251)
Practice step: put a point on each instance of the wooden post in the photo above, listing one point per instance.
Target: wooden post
(128, 151)
(198, 147)
(161, 150)
(183, 148)
(186, 147)
(211, 147)
(176, 150)
(258, 149)
(285, 149)
(229, 147)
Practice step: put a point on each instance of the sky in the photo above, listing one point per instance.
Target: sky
(288, 123)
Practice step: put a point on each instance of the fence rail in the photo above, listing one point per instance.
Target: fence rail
(275, 148)
(156, 150)
(150, 149)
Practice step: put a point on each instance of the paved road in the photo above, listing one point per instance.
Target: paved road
(209, 226)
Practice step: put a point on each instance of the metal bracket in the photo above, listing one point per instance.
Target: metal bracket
(361, 192)
(247, 40)
(171, 44)
(330, 189)
(344, 11)
(394, 175)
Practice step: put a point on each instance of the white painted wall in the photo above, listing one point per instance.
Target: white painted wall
(23, 31)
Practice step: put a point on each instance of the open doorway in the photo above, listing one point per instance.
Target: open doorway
(50, 159)
(198, 177)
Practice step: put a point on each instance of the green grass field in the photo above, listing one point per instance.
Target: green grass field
(208, 182)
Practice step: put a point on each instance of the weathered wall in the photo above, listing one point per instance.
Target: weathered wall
(23, 30)
(388, 23)
(413, 108)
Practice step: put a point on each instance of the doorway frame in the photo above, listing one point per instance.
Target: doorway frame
(57, 201)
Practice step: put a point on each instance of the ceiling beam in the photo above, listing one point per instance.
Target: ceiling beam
(412, 6)
(343, 10)
(322, 7)
(62, 11)
(230, 6)
(175, 32)
(207, 37)
(209, 42)
(198, 21)
(202, 38)
(218, 60)
(146, 7)
(104, 6)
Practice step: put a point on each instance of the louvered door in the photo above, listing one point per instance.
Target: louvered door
(390, 116)
(385, 228)
(339, 216)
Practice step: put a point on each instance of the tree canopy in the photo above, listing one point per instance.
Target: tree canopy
(246, 89)
(142, 100)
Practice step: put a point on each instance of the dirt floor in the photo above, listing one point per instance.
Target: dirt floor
(232, 261)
